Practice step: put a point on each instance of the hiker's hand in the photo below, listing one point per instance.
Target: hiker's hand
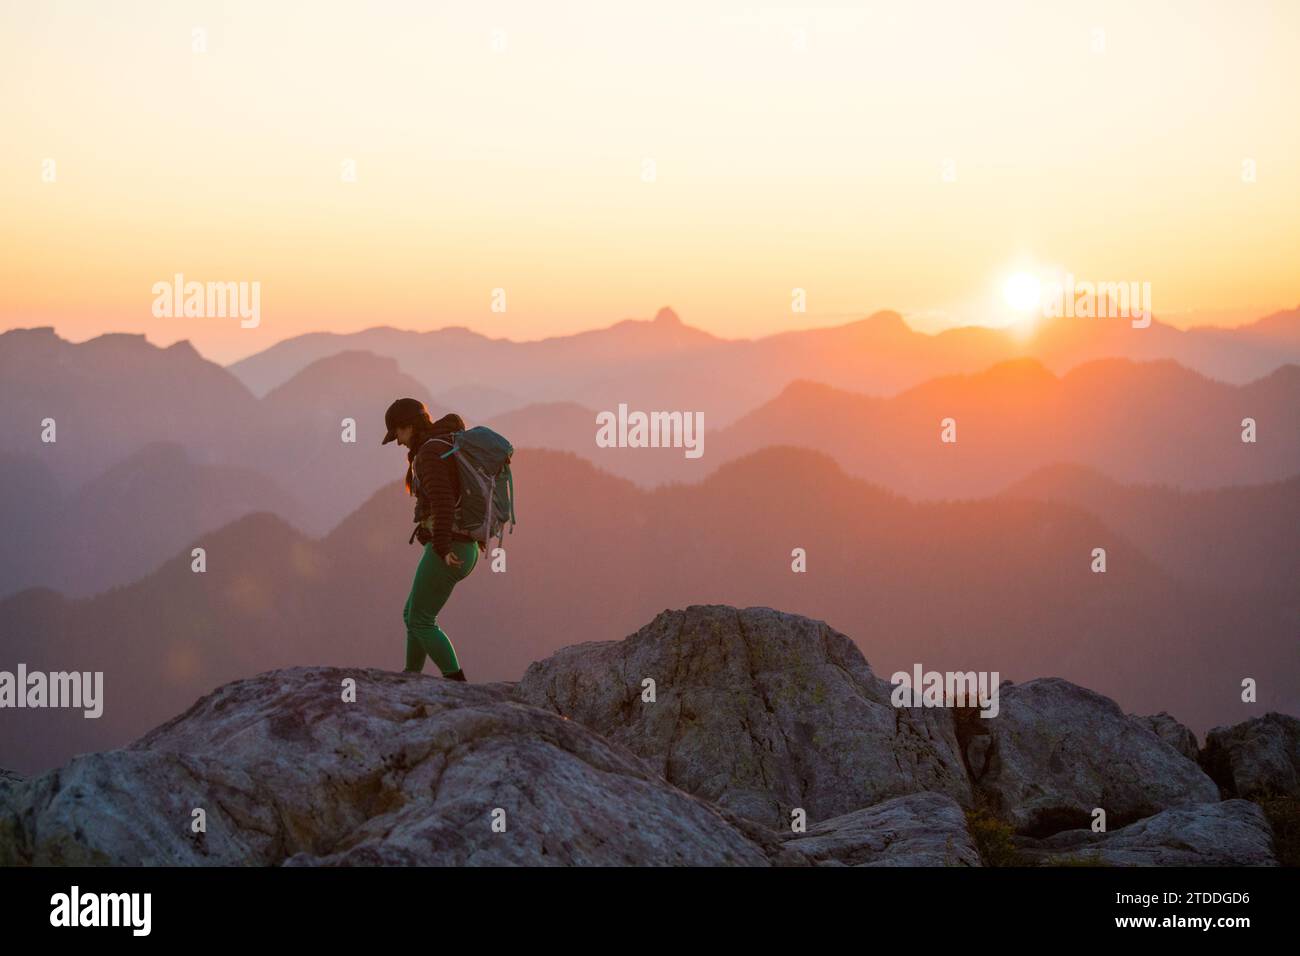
(452, 560)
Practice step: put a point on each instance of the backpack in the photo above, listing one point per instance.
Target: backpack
(487, 488)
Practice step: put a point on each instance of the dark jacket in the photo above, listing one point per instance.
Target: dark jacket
(436, 485)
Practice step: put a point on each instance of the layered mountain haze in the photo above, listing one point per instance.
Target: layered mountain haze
(456, 357)
(478, 402)
(111, 396)
(1239, 538)
(1136, 422)
(299, 436)
(1000, 585)
(118, 526)
(103, 505)
(663, 363)
(1280, 330)
(977, 554)
(1109, 414)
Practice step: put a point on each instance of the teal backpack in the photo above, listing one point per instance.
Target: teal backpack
(487, 488)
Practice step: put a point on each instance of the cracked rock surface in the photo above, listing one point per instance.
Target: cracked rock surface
(921, 829)
(756, 710)
(285, 771)
(1231, 833)
(1057, 750)
(756, 714)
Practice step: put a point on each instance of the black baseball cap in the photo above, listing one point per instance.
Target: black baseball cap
(404, 411)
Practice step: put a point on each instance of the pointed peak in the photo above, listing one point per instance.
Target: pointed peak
(667, 316)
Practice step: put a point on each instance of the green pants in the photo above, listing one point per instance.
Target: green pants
(433, 582)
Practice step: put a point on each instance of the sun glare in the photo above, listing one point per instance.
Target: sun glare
(1023, 292)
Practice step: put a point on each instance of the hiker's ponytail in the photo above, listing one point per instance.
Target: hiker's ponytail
(417, 440)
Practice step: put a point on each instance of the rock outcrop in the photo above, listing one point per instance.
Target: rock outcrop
(756, 714)
(1259, 757)
(758, 711)
(921, 829)
(1231, 833)
(1168, 729)
(1056, 751)
(415, 771)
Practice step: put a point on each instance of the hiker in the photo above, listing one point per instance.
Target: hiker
(449, 555)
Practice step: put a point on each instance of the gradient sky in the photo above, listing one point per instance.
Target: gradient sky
(794, 147)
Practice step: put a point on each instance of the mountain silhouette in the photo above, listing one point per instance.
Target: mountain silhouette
(116, 395)
(112, 395)
(299, 439)
(1136, 422)
(1001, 584)
(1237, 539)
(664, 363)
(70, 514)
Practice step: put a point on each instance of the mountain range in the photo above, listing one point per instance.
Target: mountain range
(999, 584)
(972, 554)
(663, 363)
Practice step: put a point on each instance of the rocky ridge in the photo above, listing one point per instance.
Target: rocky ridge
(712, 736)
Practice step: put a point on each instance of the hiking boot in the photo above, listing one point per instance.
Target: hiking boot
(459, 675)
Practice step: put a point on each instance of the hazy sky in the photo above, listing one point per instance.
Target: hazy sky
(507, 146)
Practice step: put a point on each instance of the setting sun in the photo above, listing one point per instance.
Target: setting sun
(1023, 292)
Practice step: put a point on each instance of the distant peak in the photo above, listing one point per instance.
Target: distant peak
(1017, 371)
(119, 337)
(667, 316)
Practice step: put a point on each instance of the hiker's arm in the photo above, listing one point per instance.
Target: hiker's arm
(436, 476)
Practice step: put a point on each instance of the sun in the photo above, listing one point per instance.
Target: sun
(1023, 292)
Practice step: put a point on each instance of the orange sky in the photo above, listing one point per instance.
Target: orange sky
(505, 146)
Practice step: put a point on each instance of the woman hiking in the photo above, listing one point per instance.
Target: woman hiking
(449, 556)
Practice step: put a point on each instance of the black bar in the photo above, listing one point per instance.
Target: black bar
(927, 906)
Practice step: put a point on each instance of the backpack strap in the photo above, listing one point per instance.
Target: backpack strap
(510, 495)
(420, 449)
(416, 475)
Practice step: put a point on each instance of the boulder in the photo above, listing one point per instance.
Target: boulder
(1168, 729)
(1257, 758)
(920, 829)
(1230, 833)
(412, 772)
(755, 714)
(758, 711)
(1055, 751)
